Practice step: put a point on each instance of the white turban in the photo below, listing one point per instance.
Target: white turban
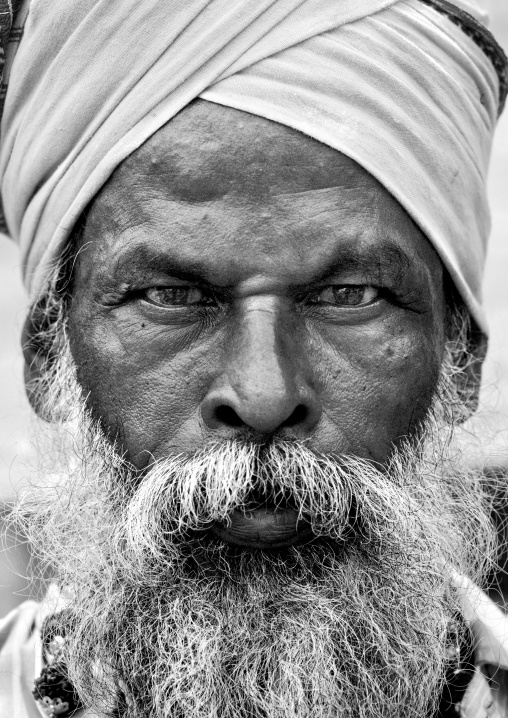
(393, 84)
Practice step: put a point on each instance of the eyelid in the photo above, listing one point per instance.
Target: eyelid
(379, 277)
(343, 285)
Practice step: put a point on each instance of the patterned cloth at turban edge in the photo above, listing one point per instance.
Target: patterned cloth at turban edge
(393, 84)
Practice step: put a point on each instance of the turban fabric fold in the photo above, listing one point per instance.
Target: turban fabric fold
(393, 84)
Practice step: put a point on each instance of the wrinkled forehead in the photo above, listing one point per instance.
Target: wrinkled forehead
(209, 153)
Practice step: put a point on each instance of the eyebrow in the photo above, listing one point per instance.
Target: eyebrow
(385, 261)
(141, 260)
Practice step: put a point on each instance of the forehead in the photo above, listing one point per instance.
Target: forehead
(224, 188)
(209, 151)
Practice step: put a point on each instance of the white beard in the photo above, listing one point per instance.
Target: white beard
(167, 622)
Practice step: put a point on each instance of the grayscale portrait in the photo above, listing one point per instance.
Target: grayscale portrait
(261, 475)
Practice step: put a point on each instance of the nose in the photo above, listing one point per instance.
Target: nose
(266, 385)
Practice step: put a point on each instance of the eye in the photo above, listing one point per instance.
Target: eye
(178, 296)
(347, 295)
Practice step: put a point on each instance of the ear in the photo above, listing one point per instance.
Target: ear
(468, 380)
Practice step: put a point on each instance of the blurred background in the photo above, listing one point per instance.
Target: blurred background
(15, 418)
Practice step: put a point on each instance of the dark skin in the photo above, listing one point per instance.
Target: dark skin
(237, 278)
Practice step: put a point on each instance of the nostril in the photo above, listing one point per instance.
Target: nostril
(226, 415)
(298, 416)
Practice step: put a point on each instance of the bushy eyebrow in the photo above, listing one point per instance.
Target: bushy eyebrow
(384, 262)
(139, 261)
(387, 262)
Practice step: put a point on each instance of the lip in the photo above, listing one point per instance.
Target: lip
(264, 528)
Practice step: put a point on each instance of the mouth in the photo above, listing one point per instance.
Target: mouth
(264, 527)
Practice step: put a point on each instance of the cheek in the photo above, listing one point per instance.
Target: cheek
(377, 385)
(143, 388)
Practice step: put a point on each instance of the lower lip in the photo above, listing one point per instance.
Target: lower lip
(264, 528)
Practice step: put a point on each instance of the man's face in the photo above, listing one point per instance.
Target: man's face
(238, 278)
(260, 328)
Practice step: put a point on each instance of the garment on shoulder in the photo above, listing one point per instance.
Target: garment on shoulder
(21, 661)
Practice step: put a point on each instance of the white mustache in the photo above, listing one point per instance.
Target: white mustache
(186, 494)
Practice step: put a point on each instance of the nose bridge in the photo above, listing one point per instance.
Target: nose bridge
(263, 385)
(261, 366)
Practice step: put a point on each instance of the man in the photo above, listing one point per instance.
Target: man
(253, 234)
